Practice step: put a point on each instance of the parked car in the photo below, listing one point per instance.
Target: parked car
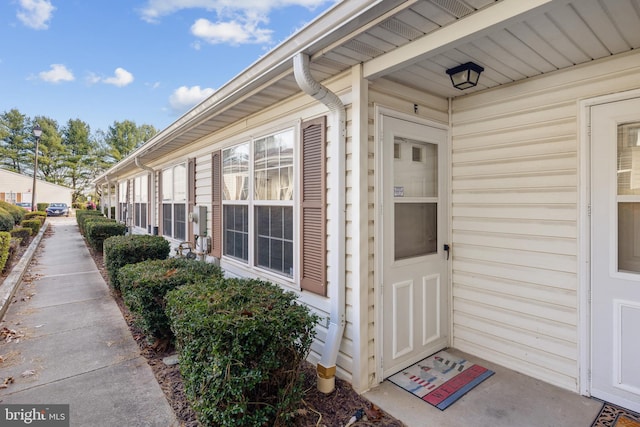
(25, 205)
(58, 209)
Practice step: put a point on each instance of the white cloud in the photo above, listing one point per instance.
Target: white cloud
(231, 32)
(236, 22)
(185, 97)
(121, 78)
(35, 13)
(158, 8)
(58, 73)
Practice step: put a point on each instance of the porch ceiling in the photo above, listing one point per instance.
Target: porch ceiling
(414, 42)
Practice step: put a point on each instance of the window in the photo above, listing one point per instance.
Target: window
(258, 195)
(122, 201)
(174, 198)
(140, 197)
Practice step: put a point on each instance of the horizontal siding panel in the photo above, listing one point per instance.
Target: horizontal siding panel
(558, 279)
(552, 312)
(550, 162)
(467, 311)
(519, 336)
(514, 119)
(560, 229)
(544, 244)
(497, 181)
(557, 145)
(516, 359)
(541, 260)
(532, 356)
(522, 288)
(558, 212)
(515, 196)
(559, 128)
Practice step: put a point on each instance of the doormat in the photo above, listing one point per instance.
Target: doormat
(615, 416)
(441, 379)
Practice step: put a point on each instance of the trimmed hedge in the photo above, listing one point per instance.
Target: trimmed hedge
(22, 233)
(82, 216)
(97, 231)
(5, 243)
(241, 345)
(145, 284)
(122, 250)
(16, 211)
(6, 220)
(42, 207)
(39, 215)
(33, 224)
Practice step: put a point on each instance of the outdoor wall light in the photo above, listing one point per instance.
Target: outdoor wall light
(465, 76)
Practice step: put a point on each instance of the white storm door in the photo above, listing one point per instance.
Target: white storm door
(615, 253)
(415, 220)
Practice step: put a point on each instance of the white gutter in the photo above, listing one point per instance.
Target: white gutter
(152, 198)
(337, 281)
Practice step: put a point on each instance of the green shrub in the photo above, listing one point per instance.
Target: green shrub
(42, 207)
(39, 215)
(145, 284)
(241, 345)
(16, 211)
(5, 243)
(6, 220)
(122, 250)
(82, 216)
(33, 224)
(22, 233)
(77, 205)
(97, 232)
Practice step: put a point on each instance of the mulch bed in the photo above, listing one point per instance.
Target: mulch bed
(331, 410)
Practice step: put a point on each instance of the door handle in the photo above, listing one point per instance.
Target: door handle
(446, 248)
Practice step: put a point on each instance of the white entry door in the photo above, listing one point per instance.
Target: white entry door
(615, 252)
(414, 261)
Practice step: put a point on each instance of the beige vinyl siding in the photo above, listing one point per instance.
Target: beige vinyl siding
(515, 209)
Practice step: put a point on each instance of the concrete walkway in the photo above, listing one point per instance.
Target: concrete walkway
(72, 345)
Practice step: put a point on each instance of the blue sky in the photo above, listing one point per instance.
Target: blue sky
(143, 60)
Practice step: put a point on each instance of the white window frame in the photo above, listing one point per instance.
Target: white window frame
(252, 203)
(141, 201)
(174, 200)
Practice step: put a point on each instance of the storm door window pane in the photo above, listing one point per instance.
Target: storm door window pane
(628, 174)
(273, 250)
(415, 168)
(629, 237)
(236, 232)
(415, 229)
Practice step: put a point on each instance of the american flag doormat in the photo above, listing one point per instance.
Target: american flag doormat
(441, 379)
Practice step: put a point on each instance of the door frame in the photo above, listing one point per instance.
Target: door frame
(379, 112)
(584, 233)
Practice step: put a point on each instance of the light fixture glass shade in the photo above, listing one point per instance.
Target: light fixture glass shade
(37, 131)
(465, 76)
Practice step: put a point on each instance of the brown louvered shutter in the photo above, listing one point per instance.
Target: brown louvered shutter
(313, 277)
(191, 195)
(216, 204)
(160, 212)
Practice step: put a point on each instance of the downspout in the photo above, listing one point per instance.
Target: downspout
(152, 172)
(326, 368)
